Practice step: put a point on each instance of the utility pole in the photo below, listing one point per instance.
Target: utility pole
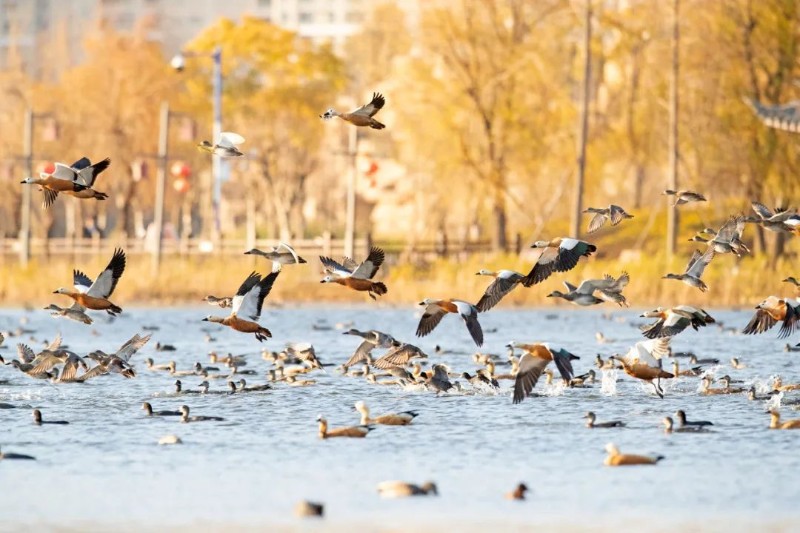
(583, 132)
(25, 210)
(672, 181)
(216, 161)
(161, 179)
(350, 221)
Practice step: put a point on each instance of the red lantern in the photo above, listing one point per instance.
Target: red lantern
(47, 167)
(179, 169)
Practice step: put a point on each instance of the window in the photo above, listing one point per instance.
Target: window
(306, 17)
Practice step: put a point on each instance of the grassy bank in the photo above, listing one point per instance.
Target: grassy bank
(183, 281)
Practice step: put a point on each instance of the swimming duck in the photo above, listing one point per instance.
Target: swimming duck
(736, 364)
(372, 339)
(559, 255)
(684, 197)
(752, 396)
(775, 421)
(610, 290)
(504, 282)
(226, 145)
(401, 489)
(243, 387)
(693, 360)
(670, 428)
(148, 411)
(518, 493)
(168, 440)
(584, 380)
(707, 390)
(394, 419)
(643, 361)
(676, 370)
(482, 378)
(694, 270)
(358, 432)
(435, 310)
(680, 414)
(399, 356)
(615, 458)
(363, 116)
(247, 305)
(772, 310)
(289, 257)
(781, 221)
(224, 302)
(591, 424)
(184, 409)
(306, 508)
(294, 382)
(356, 277)
(37, 419)
(76, 180)
(613, 213)
(151, 366)
(6, 455)
(94, 295)
(603, 365)
(674, 320)
(74, 312)
(533, 362)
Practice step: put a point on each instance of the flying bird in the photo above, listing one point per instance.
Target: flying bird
(774, 310)
(363, 116)
(356, 277)
(674, 320)
(694, 270)
(95, 295)
(504, 282)
(436, 309)
(532, 364)
(76, 180)
(684, 197)
(246, 306)
(559, 255)
(613, 213)
(226, 145)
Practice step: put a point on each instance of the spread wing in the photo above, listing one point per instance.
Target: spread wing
(87, 176)
(761, 210)
(81, 163)
(563, 361)
(334, 268)
(108, 278)
(228, 139)
(361, 353)
(246, 300)
(133, 345)
(597, 222)
(25, 353)
(370, 109)
(530, 369)
(55, 344)
(617, 214)
(544, 267)
(430, 319)
(369, 267)
(398, 357)
(63, 172)
(699, 262)
(761, 322)
(649, 352)
(470, 315)
(728, 231)
(496, 291)
(49, 197)
(81, 281)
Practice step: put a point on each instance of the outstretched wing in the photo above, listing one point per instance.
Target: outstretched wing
(245, 300)
(617, 214)
(597, 222)
(334, 268)
(81, 163)
(496, 291)
(228, 139)
(361, 353)
(81, 281)
(25, 353)
(49, 197)
(369, 267)
(761, 210)
(104, 286)
(63, 172)
(398, 357)
(370, 109)
(700, 262)
(133, 345)
(430, 319)
(87, 176)
(530, 370)
(761, 322)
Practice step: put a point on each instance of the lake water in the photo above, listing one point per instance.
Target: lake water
(105, 471)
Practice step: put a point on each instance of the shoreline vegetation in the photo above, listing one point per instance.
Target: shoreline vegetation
(186, 280)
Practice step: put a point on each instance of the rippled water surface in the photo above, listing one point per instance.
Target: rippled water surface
(105, 469)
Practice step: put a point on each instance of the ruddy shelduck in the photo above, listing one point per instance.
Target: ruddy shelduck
(393, 419)
(356, 277)
(357, 432)
(94, 295)
(363, 116)
(615, 458)
(436, 309)
(558, 255)
(246, 306)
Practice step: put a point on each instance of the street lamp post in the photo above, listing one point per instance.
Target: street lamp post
(179, 63)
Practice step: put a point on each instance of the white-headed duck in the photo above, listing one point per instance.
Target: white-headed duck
(247, 304)
(774, 310)
(358, 432)
(615, 458)
(94, 295)
(643, 361)
(356, 276)
(558, 255)
(401, 489)
(393, 419)
(435, 310)
(363, 116)
(532, 364)
(76, 180)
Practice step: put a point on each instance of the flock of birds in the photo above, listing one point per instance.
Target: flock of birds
(401, 365)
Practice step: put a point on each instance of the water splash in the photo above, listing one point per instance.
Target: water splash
(608, 384)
